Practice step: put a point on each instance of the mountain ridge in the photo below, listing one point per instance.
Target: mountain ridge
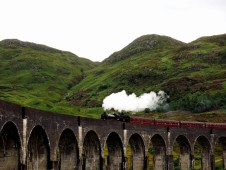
(15, 43)
(142, 44)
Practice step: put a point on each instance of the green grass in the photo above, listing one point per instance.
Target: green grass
(193, 75)
(38, 76)
(163, 67)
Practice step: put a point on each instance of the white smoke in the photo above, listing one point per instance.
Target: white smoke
(121, 101)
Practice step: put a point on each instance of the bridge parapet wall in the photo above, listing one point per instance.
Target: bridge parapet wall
(10, 112)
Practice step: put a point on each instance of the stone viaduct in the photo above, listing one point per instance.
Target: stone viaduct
(34, 139)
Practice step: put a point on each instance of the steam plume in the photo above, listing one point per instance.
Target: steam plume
(121, 101)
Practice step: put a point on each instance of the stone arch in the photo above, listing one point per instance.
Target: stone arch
(206, 150)
(115, 155)
(159, 152)
(92, 152)
(222, 142)
(38, 149)
(10, 145)
(68, 152)
(138, 152)
(185, 152)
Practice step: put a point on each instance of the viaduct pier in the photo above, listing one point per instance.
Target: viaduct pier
(37, 140)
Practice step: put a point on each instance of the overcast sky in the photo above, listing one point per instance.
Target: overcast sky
(95, 29)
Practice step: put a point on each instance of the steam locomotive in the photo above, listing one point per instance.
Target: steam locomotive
(162, 122)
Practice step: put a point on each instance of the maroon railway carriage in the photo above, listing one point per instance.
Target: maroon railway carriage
(167, 123)
(188, 124)
(154, 122)
(164, 123)
(215, 125)
(142, 121)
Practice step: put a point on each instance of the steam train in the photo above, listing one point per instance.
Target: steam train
(162, 122)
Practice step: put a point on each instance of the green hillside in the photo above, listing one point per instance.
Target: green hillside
(142, 44)
(36, 75)
(193, 75)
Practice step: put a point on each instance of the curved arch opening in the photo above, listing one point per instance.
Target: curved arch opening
(10, 147)
(38, 156)
(202, 150)
(182, 153)
(91, 151)
(135, 153)
(68, 150)
(113, 152)
(157, 153)
(220, 153)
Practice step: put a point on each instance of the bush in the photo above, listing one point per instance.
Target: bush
(176, 164)
(200, 102)
(147, 110)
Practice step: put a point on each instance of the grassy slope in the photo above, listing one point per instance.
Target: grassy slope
(133, 73)
(38, 76)
(194, 74)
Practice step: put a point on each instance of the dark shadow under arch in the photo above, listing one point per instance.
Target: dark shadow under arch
(68, 153)
(115, 155)
(184, 152)
(138, 156)
(38, 149)
(10, 147)
(159, 152)
(205, 152)
(92, 152)
(220, 153)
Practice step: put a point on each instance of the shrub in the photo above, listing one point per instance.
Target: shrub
(200, 102)
(147, 110)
